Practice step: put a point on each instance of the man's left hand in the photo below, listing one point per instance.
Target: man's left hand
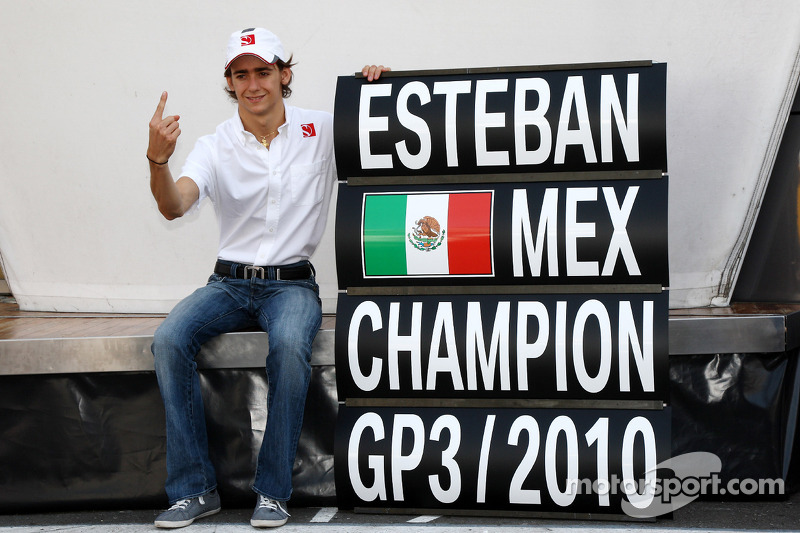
(373, 72)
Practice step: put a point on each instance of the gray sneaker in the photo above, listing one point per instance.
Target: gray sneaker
(184, 512)
(269, 513)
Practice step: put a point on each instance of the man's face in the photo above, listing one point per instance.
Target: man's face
(258, 85)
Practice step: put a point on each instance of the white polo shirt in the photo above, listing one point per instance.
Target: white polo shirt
(271, 205)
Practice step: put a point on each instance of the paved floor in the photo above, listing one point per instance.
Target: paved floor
(698, 516)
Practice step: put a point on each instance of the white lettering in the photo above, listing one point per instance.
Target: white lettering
(449, 364)
(598, 310)
(415, 124)
(553, 455)
(405, 343)
(521, 229)
(405, 463)
(451, 424)
(628, 133)
(620, 243)
(371, 310)
(642, 352)
(451, 90)
(368, 124)
(576, 230)
(485, 120)
(547, 232)
(561, 346)
(574, 93)
(546, 337)
(375, 462)
(498, 349)
(526, 350)
(534, 117)
(574, 128)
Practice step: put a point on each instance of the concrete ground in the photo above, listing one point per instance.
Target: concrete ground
(697, 516)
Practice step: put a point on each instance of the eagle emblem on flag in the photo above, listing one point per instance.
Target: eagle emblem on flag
(427, 234)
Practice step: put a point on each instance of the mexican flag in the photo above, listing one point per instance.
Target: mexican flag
(427, 234)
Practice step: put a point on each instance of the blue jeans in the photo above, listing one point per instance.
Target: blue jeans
(290, 312)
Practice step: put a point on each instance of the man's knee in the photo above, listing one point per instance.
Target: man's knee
(164, 339)
(171, 345)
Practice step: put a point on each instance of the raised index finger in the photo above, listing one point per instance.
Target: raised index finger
(159, 114)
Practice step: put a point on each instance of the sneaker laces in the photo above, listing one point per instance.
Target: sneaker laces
(182, 504)
(272, 505)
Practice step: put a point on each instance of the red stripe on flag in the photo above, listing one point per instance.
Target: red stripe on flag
(469, 238)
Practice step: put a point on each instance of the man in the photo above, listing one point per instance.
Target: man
(269, 171)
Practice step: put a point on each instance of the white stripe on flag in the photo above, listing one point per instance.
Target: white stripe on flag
(433, 261)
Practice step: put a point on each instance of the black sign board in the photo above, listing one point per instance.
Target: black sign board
(516, 460)
(511, 234)
(502, 237)
(603, 117)
(590, 347)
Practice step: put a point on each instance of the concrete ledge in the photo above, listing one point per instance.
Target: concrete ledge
(744, 328)
(741, 328)
(132, 354)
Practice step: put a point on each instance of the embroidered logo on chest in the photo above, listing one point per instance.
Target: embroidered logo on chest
(308, 130)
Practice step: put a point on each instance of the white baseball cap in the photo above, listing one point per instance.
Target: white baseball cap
(256, 42)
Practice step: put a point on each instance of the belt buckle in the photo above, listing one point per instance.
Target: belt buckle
(254, 271)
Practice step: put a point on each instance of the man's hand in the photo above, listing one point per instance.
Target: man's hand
(164, 132)
(173, 198)
(373, 72)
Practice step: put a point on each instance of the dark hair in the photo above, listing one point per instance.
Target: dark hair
(286, 91)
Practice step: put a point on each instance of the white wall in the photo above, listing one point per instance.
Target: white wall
(79, 230)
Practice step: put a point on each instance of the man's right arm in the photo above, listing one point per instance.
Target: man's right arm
(173, 198)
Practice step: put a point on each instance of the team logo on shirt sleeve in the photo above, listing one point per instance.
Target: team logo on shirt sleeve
(308, 130)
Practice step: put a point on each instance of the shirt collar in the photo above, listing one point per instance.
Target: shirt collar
(244, 135)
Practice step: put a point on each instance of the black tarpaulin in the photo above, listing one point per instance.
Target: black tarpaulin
(76, 441)
(94, 441)
(738, 406)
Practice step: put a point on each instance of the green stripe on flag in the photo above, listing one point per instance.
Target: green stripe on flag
(384, 235)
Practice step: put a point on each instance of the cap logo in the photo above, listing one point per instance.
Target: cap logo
(248, 39)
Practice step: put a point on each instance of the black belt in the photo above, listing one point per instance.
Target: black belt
(241, 271)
